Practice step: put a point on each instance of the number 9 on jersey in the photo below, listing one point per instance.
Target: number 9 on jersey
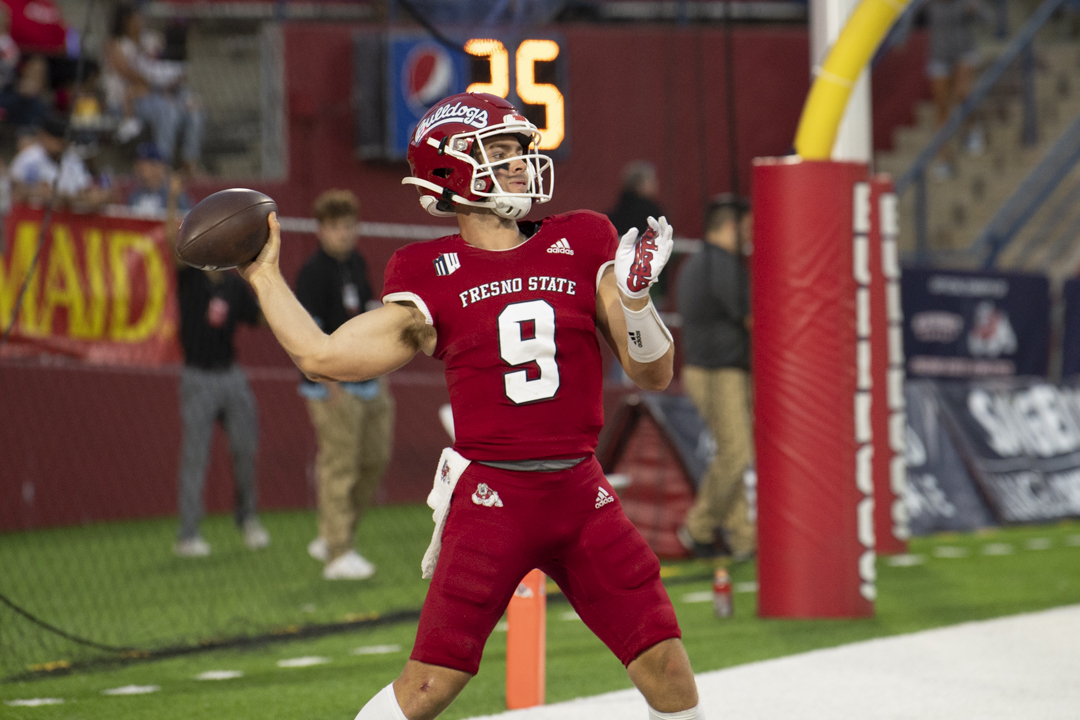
(516, 349)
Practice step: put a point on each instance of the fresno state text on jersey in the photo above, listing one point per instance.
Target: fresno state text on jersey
(517, 333)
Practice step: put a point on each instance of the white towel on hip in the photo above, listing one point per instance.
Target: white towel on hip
(451, 466)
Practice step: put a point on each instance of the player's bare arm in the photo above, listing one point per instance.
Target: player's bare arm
(626, 315)
(371, 344)
(611, 320)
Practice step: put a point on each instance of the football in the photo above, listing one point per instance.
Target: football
(225, 229)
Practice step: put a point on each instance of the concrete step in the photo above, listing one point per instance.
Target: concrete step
(960, 207)
(1040, 252)
(926, 115)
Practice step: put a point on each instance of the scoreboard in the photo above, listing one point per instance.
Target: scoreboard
(398, 76)
(536, 83)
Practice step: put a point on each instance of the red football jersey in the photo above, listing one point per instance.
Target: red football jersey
(517, 332)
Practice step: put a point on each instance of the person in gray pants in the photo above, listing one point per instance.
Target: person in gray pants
(213, 388)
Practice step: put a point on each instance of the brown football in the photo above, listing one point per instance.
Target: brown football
(225, 229)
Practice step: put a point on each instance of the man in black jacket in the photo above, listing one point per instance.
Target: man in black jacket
(714, 301)
(353, 420)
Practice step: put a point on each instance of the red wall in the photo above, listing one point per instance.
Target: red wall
(898, 83)
(86, 444)
(635, 92)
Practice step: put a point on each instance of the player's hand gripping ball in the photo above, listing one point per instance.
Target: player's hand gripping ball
(226, 229)
(638, 261)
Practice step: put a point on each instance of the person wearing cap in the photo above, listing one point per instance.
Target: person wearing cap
(714, 301)
(34, 170)
(150, 195)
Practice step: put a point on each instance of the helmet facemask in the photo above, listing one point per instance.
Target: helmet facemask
(485, 185)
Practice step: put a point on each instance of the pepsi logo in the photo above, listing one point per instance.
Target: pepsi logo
(427, 76)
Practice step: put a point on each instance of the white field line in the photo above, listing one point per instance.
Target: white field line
(1017, 667)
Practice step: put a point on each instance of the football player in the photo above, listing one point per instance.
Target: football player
(512, 308)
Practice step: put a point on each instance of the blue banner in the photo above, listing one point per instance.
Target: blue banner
(420, 72)
(966, 324)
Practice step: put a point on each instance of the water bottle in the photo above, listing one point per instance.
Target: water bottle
(722, 605)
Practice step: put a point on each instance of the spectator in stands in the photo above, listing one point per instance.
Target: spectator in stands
(353, 420)
(36, 165)
(150, 195)
(714, 300)
(87, 109)
(22, 85)
(9, 49)
(213, 388)
(150, 90)
(39, 30)
(38, 26)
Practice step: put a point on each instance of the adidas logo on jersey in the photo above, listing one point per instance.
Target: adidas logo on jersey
(446, 264)
(562, 247)
(603, 498)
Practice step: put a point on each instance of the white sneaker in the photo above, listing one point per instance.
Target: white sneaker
(192, 547)
(350, 566)
(255, 535)
(317, 549)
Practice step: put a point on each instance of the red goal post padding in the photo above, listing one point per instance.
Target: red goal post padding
(812, 389)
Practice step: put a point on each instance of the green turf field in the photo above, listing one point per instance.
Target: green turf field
(119, 583)
(946, 580)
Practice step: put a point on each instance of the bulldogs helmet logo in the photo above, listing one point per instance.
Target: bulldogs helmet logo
(641, 270)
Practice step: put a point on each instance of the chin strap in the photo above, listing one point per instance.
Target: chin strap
(513, 208)
(431, 204)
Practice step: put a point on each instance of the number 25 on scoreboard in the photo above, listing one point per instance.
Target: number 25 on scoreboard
(529, 52)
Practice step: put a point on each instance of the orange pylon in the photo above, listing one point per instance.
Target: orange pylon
(526, 643)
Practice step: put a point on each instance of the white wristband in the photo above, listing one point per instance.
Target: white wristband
(647, 337)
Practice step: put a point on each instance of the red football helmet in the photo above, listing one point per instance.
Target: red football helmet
(441, 156)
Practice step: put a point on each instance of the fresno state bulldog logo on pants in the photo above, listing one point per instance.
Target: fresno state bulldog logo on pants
(486, 496)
